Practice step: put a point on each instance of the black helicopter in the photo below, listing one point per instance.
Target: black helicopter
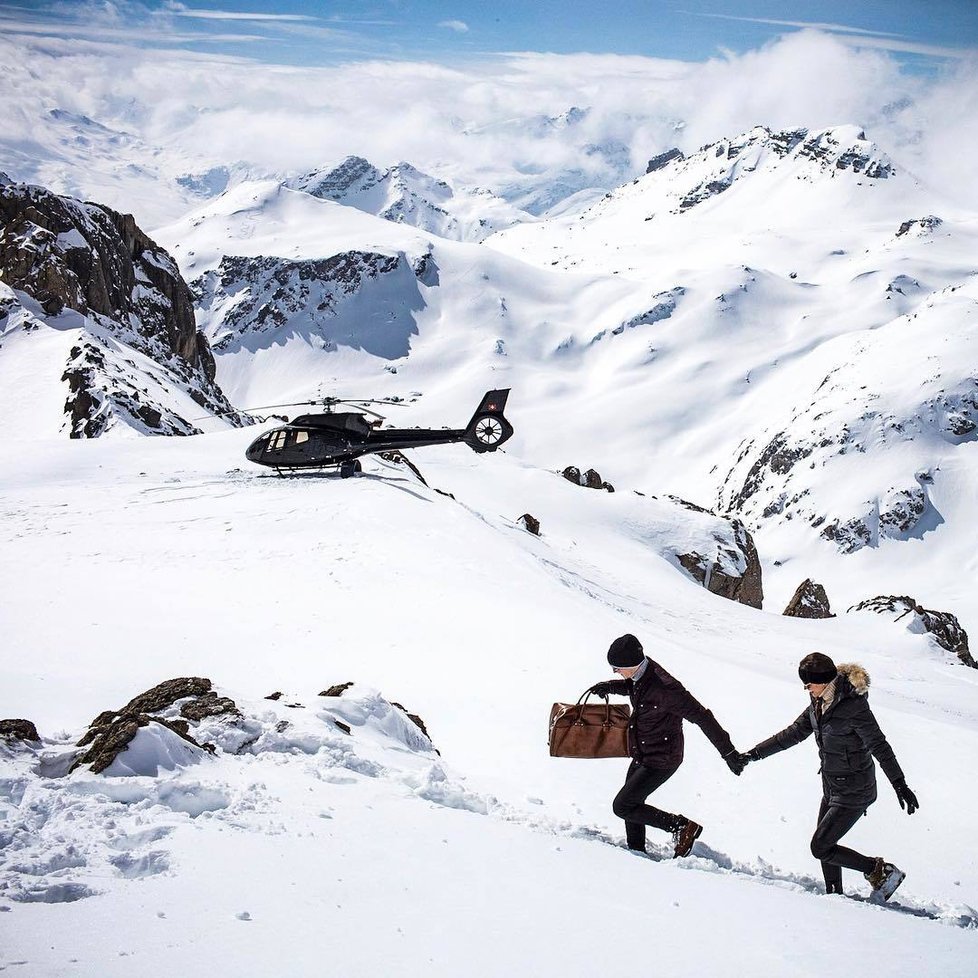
(313, 441)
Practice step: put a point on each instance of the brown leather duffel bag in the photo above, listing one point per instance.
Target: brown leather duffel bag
(579, 730)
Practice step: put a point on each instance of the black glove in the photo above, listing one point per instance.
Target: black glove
(905, 796)
(736, 762)
(601, 689)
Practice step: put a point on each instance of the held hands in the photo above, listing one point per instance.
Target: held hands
(736, 761)
(905, 796)
(601, 689)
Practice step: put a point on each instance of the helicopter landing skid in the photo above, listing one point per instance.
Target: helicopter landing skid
(346, 469)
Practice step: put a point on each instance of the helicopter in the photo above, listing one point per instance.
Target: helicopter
(340, 438)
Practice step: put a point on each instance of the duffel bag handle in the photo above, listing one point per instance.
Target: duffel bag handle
(584, 696)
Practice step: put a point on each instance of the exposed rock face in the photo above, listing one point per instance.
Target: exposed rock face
(253, 303)
(942, 626)
(109, 740)
(19, 730)
(734, 572)
(809, 601)
(665, 306)
(530, 523)
(919, 227)
(663, 159)
(111, 732)
(716, 167)
(338, 690)
(817, 463)
(402, 194)
(590, 479)
(74, 257)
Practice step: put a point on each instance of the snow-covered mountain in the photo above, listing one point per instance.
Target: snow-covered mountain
(405, 195)
(777, 329)
(95, 317)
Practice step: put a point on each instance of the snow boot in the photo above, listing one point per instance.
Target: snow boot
(884, 879)
(685, 834)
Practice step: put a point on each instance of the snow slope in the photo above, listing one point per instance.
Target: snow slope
(672, 347)
(171, 560)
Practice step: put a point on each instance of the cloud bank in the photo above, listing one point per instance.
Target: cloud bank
(503, 122)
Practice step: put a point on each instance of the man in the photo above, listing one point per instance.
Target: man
(848, 738)
(660, 703)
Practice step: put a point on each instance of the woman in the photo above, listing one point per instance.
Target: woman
(660, 703)
(848, 739)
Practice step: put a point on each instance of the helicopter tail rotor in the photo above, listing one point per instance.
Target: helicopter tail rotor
(489, 428)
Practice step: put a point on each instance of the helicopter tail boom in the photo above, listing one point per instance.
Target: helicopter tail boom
(489, 428)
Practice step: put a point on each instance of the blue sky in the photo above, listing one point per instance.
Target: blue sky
(306, 32)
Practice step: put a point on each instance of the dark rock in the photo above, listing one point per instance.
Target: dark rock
(112, 739)
(747, 588)
(112, 730)
(275, 696)
(530, 523)
(338, 690)
(686, 504)
(943, 626)
(849, 536)
(921, 224)
(345, 727)
(664, 159)
(282, 726)
(88, 258)
(166, 694)
(592, 479)
(809, 601)
(209, 705)
(18, 730)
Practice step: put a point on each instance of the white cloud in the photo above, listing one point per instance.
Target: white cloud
(181, 10)
(459, 26)
(486, 122)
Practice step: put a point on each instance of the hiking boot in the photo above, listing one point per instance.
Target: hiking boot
(884, 878)
(684, 835)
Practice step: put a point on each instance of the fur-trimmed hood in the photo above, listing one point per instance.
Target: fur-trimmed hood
(857, 676)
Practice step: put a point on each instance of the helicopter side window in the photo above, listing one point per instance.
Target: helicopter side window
(301, 436)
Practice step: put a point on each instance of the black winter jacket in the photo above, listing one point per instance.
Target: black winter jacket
(848, 738)
(660, 703)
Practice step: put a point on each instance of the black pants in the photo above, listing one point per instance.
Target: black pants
(833, 823)
(629, 803)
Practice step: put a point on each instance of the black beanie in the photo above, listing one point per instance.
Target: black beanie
(817, 668)
(626, 652)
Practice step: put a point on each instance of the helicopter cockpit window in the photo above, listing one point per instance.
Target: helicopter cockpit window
(301, 436)
(277, 441)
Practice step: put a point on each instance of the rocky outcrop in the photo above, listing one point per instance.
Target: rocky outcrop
(19, 730)
(107, 741)
(70, 257)
(111, 732)
(942, 626)
(809, 601)
(529, 523)
(716, 167)
(733, 571)
(831, 460)
(663, 160)
(590, 479)
(341, 688)
(919, 227)
(251, 303)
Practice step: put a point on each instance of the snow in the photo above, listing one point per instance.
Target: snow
(659, 351)
(171, 560)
